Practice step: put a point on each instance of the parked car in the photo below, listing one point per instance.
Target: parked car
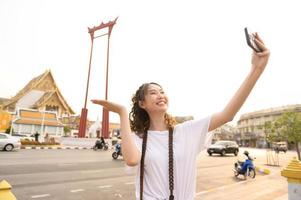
(280, 146)
(23, 136)
(223, 147)
(8, 142)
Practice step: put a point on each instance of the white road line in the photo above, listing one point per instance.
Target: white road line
(92, 171)
(222, 187)
(77, 190)
(104, 186)
(40, 196)
(130, 183)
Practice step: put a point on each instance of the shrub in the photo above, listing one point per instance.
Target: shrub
(27, 142)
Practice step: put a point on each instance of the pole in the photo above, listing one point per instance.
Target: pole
(84, 112)
(42, 126)
(11, 124)
(105, 113)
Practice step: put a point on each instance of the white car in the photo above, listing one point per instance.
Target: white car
(23, 137)
(8, 142)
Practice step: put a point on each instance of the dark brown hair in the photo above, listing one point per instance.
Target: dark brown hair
(139, 119)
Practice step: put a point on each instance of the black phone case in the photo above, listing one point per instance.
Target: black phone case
(256, 49)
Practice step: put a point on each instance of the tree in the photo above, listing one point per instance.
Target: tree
(67, 130)
(272, 132)
(288, 127)
(8, 130)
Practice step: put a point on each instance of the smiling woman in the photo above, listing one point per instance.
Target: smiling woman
(166, 152)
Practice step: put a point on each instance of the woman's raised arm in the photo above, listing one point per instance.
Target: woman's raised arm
(130, 152)
(259, 62)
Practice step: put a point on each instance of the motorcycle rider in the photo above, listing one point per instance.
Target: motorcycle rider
(244, 165)
(100, 143)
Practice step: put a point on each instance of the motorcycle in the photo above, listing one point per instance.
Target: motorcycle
(117, 152)
(247, 168)
(100, 144)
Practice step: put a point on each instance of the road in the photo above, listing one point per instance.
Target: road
(93, 175)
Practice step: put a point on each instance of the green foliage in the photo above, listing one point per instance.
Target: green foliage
(286, 128)
(289, 126)
(67, 129)
(8, 130)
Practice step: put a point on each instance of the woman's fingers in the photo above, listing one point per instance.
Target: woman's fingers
(108, 105)
(258, 37)
(97, 101)
(259, 42)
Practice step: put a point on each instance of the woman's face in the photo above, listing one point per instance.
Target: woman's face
(155, 99)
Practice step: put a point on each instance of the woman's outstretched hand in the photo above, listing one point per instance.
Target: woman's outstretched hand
(260, 60)
(110, 106)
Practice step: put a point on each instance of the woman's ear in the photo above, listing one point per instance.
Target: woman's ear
(141, 104)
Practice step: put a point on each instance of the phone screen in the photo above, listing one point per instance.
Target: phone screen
(251, 40)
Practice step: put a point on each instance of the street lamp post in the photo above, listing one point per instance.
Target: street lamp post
(84, 112)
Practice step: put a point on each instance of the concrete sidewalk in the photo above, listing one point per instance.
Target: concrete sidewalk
(269, 187)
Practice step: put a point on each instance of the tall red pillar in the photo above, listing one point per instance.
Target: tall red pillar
(84, 112)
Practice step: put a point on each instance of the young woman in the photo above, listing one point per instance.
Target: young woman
(164, 152)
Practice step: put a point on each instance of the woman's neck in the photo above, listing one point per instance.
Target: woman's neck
(157, 123)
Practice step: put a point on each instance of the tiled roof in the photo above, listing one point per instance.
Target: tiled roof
(32, 84)
(3, 100)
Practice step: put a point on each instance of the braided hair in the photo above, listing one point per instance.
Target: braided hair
(140, 123)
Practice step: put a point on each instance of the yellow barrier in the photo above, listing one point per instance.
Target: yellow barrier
(5, 193)
(293, 174)
(263, 170)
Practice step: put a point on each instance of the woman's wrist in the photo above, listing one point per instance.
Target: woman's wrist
(256, 71)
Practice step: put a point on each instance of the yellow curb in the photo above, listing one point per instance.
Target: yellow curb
(5, 191)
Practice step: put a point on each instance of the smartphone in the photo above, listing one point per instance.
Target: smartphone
(250, 36)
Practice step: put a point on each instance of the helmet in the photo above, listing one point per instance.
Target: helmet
(246, 153)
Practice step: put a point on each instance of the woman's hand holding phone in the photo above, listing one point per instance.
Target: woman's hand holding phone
(251, 40)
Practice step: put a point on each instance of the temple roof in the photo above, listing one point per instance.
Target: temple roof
(43, 87)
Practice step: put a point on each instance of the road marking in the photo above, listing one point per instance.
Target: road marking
(40, 196)
(77, 190)
(66, 164)
(130, 183)
(118, 195)
(92, 171)
(104, 186)
(222, 187)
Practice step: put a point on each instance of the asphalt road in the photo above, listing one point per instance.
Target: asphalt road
(94, 175)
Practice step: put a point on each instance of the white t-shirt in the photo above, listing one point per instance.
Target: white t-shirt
(189, 139)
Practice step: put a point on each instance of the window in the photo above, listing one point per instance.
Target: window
(3, 137)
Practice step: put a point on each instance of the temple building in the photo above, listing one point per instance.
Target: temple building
(37, 107)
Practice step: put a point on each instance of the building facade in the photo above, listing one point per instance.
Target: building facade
(249, 126)
(224, 132)
(5, 120)
(28, 121)
(37, 107)
(41, 93)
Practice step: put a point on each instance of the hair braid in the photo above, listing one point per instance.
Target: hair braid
(170, 162)
(142, 163)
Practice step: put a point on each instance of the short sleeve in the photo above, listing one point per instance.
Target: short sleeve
(138, 142)
(195, 133)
